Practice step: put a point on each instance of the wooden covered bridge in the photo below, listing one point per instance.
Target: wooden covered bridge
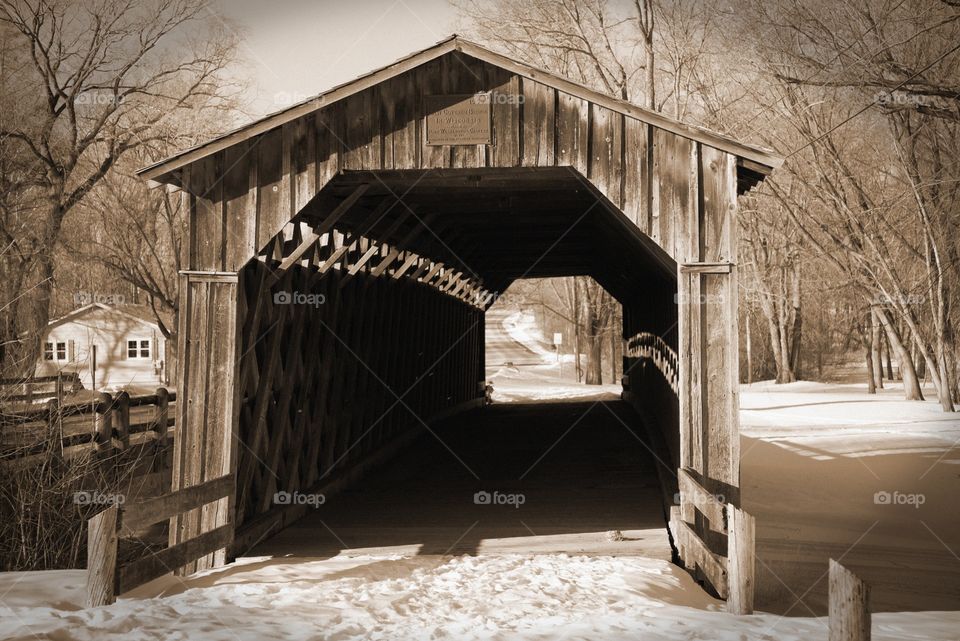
(342, 253)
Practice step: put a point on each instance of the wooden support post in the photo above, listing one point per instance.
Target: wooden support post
(103, 421)
(163, 414)
(102, 557)
(203, 447)
(741, 560)
(122, 404)
(849, 605)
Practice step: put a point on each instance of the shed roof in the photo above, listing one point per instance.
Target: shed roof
(131, 312)
(758, 159)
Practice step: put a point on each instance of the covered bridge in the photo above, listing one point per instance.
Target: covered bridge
(342, 253)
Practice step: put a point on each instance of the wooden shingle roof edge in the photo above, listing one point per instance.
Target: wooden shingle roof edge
(760, 160)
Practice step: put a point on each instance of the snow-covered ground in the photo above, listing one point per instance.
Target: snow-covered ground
(830, 471)
(814, 455)
(400, 598)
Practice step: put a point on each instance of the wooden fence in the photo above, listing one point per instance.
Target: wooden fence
(107, 423)
(702, 526)
(15, 390)
(106, 578)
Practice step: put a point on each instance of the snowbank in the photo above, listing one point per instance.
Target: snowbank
(397, 598)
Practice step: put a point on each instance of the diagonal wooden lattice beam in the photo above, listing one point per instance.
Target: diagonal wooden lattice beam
(418, 229)
(314, 235)
(352, 237)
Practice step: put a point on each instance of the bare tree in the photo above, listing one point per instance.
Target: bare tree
(101, 78)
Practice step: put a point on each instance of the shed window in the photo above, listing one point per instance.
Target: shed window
(54, 351)
(138, 348)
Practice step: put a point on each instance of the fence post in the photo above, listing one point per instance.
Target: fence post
(103, 421)
(163, 413)
(102, 557)
(122, 403)
(849, 605)
(741, 563)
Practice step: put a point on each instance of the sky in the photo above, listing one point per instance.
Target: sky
(295, 49)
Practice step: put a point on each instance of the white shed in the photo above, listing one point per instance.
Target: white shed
(111, 348)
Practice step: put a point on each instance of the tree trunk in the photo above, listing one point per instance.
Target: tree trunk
(911, 382)
(888, 356)
(576, 330)
(875, 347)
(594, 348)
(613, 356)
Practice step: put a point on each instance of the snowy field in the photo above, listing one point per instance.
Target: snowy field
(830, 471)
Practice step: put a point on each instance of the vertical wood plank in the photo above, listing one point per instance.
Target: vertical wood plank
(849, 605)
(304, 158)
(741, 561)
(675, 209)
(718, 170)
(329, 144)
(205, 185)
(240, 203)
(272, 207)
(361, 130)
(539, 124)
(102, 557)
(504, 92)
(605, 152)
(193, 433)
(636, 169)
(219, 429)
(572, 131)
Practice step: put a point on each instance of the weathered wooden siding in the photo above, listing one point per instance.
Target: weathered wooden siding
(649, 173)
(204, 448)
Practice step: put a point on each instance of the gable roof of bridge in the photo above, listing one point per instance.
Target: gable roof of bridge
(757, 160)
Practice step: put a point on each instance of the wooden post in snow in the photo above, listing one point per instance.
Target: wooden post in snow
(849, 605)
(102, 557)
(741, 564)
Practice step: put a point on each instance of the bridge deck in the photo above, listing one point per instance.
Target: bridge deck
(580, 466)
